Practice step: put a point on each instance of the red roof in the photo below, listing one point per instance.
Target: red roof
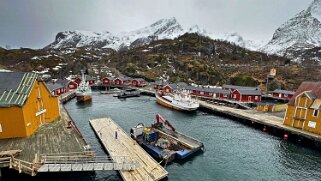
(314, 87)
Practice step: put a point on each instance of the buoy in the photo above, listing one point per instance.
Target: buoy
(285, 136)
(264, 129)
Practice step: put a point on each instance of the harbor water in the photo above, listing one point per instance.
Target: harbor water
(233, 151)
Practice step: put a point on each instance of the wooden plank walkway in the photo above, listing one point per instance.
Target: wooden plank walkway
(259, 117)
(148, 168)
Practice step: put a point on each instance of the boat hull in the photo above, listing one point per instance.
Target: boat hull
(84, 98)
(168, 104)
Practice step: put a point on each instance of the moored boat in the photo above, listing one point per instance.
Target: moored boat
(128, 93)
(111, 91)
(181, 101)
(163, 143)
(83, 92)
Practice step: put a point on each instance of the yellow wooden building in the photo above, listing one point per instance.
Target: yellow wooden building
(303, 111)
(25, 104)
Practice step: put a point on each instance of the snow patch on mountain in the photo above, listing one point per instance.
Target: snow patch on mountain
(162, 29)
(298, 35)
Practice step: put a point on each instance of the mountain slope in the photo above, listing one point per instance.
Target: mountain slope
(299, 37)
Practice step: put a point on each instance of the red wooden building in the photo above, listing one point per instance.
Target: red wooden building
(107, 80)
(282, 94)
(246, 95)
(77, 80)
(89, 79)
(158, 85)
(210, 92)
(56, 88)
(139, 82)
(122, 81)
(170, 88)
(72, 85)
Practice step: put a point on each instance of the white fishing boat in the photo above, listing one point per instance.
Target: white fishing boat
(181, 101)
(83, 92)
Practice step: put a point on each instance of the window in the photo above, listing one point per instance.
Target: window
(0, 128)
(71, 86)
(234, 96)
(285, 95)
(256, 97)
(202, 93)
(315, 113)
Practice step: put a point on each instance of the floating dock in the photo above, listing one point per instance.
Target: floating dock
(118, 143)
(261, 118)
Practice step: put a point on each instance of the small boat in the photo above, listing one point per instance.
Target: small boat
(128, 93)
(83, 92)
(111, 91)
(181, 101)
(165, 144)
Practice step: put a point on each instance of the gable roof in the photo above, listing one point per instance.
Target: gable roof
(316, 104)
(239, 87)
(280, 91)
(211, 90)
(63, 82)
(54, 86)
(314, 87)
(15, 87)
(160, 82)
(109, 78)
(139, 79)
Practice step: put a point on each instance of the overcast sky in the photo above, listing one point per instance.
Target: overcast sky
(34, 23)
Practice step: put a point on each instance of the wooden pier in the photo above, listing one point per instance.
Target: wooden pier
(67, 96)
(265, 119)
(118, 143)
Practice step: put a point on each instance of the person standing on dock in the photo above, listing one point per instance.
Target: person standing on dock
(116, 135)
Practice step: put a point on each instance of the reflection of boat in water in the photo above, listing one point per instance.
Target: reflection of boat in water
(83, 92)
(181, 101)
(128, 93)
(111, 91)
(163, 143)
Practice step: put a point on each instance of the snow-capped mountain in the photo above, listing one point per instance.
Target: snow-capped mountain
(299, 37)
(239, 40)
(162, 29)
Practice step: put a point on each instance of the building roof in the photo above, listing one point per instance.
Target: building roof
(314, 87)
(139, 79)
(54, 86)
(239, 87)
(63, 82)
(316, 104)
(88, 77)
(160, 82)
(253, 92)
(211, 90)
(15, 87)
(173, 86)
(109, 78)
(280, 91)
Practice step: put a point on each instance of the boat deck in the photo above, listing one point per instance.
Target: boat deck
(183, 139)
(122, 145)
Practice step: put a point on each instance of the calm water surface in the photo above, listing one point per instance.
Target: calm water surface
(233, 151)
